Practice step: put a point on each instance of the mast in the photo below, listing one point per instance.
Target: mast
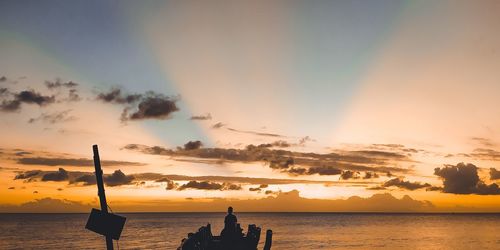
(100, 192)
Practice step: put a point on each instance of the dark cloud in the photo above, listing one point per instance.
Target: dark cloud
(25, 96)
(56, 117)
(297, 171)
(153, 106)
(348, 174)
(76, 162)
(150, 105)
(259, 188)
(201, 117)
(218, 125)
(324, 170)
(254, 132)
(4, 91)
(191, 145)
(207, 185)
(116, 95)
(60, 175)
(86, 179)
(278, 144)
(463, 179)
(434, 188)
(370, 175)
(494, 174)
(203, 185)
(230, 186)
(32, 97)
(284, 159)
(117, 178)
(401, 183)
(60, 84)
(11, 188)
(27, 174)
(281, 163)
(3, 79)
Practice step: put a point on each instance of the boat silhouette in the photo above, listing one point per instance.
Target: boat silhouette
(204, 240)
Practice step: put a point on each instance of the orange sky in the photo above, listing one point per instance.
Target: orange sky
(339, 100)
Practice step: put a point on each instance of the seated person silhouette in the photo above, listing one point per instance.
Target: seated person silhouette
(229, 233)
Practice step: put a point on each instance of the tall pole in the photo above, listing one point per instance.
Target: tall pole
(100, 191)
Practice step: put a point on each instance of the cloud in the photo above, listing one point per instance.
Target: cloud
(254, 132)
(207, 185)
(4, 92)
(259, 188)
(170, 184)
(283, 160)
(60, 175)
(278, 144)
(150, 105)
(370, 175)
(281, 202)
(208, 116)
(191, 145)
(3, 79)
(485, 154)
(281, 163)
(47, 205)
(494, 174)
(218, 125)
(56, 117)
(116, 95)
(57, 84)
(27, 97)
(86, 179)
(463, 179)
(400, 183)
(75, 162)
(27, 174)
(11, 188)
(348, 174)
(117, 178)
(324, 170)
(293, 202)
(153, 106)
(203, 185)
(483, 141)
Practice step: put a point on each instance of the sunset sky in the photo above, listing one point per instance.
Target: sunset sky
(263, 105)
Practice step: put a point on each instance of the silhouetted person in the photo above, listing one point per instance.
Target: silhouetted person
(230, 220)
(229, 233)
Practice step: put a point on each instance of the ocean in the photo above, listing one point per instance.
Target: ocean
(291, 230)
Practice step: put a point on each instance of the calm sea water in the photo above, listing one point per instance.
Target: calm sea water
(291, 230)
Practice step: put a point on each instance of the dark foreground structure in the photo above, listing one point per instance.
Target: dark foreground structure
(204, 240)
(232, 237)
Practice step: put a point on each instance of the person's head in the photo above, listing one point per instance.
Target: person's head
(230, 210)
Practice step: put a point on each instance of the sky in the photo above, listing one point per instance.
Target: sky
(388, 106)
